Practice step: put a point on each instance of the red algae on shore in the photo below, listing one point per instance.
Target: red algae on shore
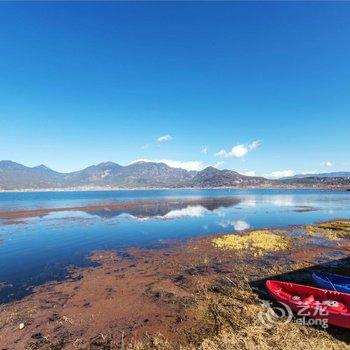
(191, 296)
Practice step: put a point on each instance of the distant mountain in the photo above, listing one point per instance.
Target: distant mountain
(338, 180)
(212, 177)
(153, 174)
(96, 175)
(14, 176)
(18, 176)
(339, 174)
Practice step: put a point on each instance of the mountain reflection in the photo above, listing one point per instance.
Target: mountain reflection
(167, 209)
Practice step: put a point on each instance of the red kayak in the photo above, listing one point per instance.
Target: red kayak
(313, 302)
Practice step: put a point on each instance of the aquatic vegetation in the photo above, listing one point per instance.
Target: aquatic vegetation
(339, 225)
(260, 241)
(331, 230)
(319, 232)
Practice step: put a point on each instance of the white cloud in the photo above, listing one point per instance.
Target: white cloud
(254, 144)
(249, 173)
(282, 201)
(238, 225)
(309, 172)
(164, 138)
(204, 150)
(189, 166)
(238, 151)
(327, 164)
(280, 173)
(190, 211)
(250, 201)
(218, 164)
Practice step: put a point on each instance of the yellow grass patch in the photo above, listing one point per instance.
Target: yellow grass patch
(332, 230)
(260, 240)
(338, 225)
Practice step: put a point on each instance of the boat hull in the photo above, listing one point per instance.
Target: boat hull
(316, 303)
(332, 282)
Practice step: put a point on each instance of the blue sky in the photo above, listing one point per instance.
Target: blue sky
(255, 87)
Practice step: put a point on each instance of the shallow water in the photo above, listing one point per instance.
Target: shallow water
(39, 249)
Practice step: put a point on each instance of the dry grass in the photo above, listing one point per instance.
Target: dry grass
(157, 342)
(17, 315)
(232, 312)
(283, 337)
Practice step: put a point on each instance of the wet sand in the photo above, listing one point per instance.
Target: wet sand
(191, 294)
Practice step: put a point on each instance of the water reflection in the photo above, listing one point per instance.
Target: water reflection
(38, 248)
(237, 225)
(276, 200)
(169, 208)
(161, 209)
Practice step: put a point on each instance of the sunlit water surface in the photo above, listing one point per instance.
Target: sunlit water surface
(39, 249)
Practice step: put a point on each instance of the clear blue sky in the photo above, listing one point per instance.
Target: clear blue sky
(82, 83)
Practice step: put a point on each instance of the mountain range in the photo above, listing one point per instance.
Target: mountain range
(338, 174)
(109, 175)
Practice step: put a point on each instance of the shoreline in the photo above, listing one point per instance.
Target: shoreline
(120, 189)
(191, 294)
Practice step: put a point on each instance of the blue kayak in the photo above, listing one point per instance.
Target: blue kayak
(332, 282)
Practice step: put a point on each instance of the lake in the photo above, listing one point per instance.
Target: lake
(37, 249)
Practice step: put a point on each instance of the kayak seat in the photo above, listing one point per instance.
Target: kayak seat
(308, 299)
(296, 298)
(335, 305)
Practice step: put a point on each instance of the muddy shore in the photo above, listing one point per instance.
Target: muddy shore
(192, 295)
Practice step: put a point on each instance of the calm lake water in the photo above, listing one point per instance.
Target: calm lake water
(39, 249)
